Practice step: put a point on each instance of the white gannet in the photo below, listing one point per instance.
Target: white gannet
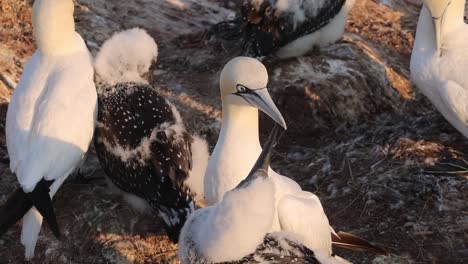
(243, 85)
(140, 137)
(439, 61)
(237, 229)
(50, 119)
(290, 28)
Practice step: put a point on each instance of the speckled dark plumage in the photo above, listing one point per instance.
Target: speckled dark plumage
(266, 30)
(275, 249)
(145, 150)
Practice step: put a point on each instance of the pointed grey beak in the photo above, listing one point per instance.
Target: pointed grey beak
(260, 169)
(261, 99)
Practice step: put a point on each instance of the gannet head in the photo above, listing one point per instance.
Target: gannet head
(438, 10)
(245, 80)
(53, 25)
(128, 56)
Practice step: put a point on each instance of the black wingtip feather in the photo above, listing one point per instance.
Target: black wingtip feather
(40, 198)
(13, 210)
(353, 242)
(263, 161)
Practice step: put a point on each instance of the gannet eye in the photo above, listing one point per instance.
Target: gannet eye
(241, 88)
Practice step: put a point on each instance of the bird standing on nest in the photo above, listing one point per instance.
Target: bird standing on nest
(50, 119)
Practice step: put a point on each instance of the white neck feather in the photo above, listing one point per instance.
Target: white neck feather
(236, 151)
(54, 27)
(454, 16)
(239, 124)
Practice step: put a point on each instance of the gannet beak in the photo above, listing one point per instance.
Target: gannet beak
(260, 169)
(261, 99)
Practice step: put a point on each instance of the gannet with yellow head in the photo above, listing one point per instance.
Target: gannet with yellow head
(243, 85)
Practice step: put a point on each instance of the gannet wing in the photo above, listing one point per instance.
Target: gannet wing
(146, 151)
(62, 125)
(21, 110)
(176, 157)
(456, 98)
(302, 214)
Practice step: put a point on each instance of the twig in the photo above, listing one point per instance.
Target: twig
(170, 252)
(7, 81)
(347, 206)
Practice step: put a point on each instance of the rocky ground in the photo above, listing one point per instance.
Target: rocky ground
(386, 165)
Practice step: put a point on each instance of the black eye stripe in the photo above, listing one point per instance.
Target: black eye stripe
(245, 91)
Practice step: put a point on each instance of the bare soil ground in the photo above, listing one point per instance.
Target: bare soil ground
(386, 165)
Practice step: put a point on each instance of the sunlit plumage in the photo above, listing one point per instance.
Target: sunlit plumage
(243, 85)
(236, 230)
(50, 118)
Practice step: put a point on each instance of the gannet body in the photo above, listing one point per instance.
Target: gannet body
(140, 139)
(291, 28)
(50, 119)
(440, 58)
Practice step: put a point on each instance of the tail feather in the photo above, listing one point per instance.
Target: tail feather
(41, 199)
(260, 168)
(32, 223)
(14, 209)
(353, 242)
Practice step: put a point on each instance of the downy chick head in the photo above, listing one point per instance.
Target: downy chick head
(128, 56)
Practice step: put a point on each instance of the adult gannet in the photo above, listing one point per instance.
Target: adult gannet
(243, 85)
(440, 59)
(237, 229)
(140, 137)
(50, 119)
(289, 28)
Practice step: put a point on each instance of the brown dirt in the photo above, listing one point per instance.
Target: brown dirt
(386, 165)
